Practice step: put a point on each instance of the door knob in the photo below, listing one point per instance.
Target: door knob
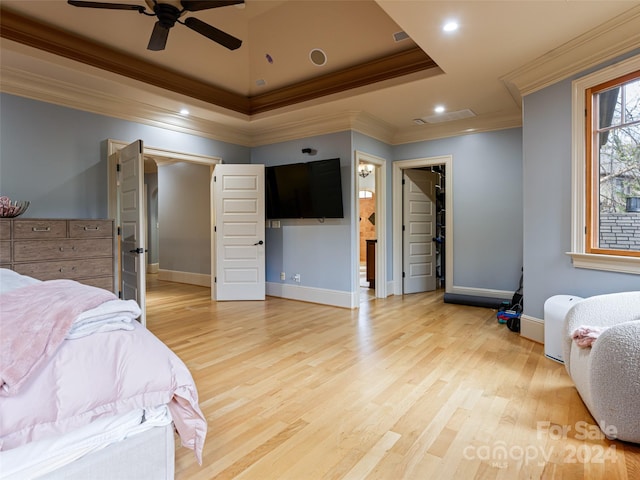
(259, 243)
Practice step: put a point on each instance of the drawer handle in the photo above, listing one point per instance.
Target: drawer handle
(92, 228)
(41, 229)
(73, 248)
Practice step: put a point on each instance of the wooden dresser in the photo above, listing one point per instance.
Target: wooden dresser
(47, 249)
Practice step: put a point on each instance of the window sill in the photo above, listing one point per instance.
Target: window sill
(610, 263)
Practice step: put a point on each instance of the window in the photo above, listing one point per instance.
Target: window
(613, 166)
(606, 169)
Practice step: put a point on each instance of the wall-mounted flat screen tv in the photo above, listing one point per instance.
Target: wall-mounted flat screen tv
(304, 190)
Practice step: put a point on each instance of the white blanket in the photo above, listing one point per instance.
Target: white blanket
(111, 315)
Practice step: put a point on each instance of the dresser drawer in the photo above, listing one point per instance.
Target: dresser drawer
(5, 252)
(90, 228)
(32, 250)
(100, 282)
(5, 229)
(39, 229)
(71, 269)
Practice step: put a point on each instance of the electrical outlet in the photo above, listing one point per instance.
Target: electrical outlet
(283, 276)
(296, 277)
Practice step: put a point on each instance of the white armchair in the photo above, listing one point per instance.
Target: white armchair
(607, 374)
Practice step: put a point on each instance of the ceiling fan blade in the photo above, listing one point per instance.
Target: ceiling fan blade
(196, 5)
(213, 33)
(110, 6)
(158, 38)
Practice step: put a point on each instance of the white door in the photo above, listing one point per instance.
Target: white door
(132, 239)
(419, 257)
(238, 259)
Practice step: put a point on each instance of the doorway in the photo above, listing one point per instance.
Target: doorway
(157, 155)
(376, 167)
(445, 241)
(367, 223)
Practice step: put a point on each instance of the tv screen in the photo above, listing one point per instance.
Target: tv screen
(304, 190)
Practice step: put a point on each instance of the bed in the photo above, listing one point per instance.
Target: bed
(85, 390)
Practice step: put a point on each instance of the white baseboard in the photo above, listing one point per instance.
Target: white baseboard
(200, 279)
(532, 328)
(310, 294)
(153, 267)
(480, 292)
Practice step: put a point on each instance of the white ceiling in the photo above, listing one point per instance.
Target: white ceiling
(502, 49)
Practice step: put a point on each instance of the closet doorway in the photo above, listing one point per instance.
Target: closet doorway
(443, 243)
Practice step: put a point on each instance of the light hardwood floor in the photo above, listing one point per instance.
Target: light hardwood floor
(404, 388)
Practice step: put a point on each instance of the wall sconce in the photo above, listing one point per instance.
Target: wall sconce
(364, 169)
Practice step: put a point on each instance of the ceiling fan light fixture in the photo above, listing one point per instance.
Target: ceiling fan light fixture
(168, 13)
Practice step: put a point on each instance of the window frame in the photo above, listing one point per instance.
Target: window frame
(582, 254)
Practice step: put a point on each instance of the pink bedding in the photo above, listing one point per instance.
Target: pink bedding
(64, 384)
(34, 321)
(99, 375)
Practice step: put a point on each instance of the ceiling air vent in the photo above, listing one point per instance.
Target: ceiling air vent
(449, 116)
(399, 36)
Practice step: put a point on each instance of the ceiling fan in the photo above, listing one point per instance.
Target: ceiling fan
(168, 13)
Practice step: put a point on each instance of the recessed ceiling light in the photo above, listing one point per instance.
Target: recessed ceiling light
(439, 109)
(184, 111)
(450, 26)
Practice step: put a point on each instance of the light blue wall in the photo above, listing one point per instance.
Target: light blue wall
(184, 236)
(487, 205)
(547, 205)
(55, 157)
(319, 252)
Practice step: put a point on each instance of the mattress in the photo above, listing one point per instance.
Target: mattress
(38, 458)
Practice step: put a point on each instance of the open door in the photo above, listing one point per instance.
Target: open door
(238, 260)
(419, 256)
(132, 225)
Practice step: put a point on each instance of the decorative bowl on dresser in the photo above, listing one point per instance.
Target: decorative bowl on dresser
(47, 249)
(12, 208)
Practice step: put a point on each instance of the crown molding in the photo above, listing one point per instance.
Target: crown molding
(26, 84)
(313, 126)
(479, 124)
(615, 37)
(72, 95)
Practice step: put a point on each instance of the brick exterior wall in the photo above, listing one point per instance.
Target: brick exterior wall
(620, 231)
